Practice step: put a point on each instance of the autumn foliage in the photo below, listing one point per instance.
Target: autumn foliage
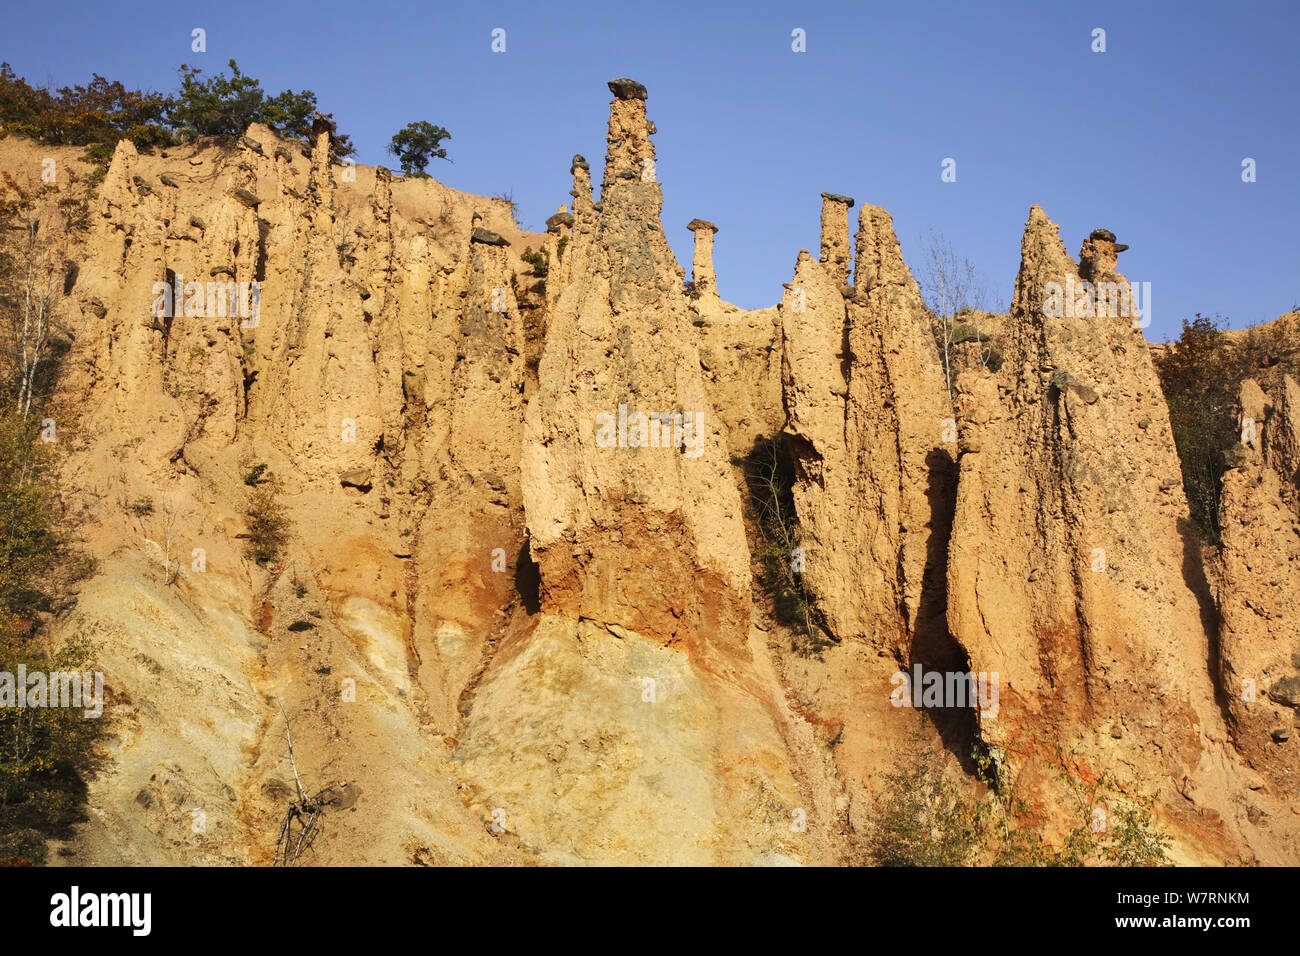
(102, 112)
(1201, 376)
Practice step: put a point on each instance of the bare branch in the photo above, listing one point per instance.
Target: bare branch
(950, 286)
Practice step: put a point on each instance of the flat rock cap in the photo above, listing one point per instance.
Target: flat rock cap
(487, 237)
(625, 89)
(1108, 236)
(836, 197)
(554, 223)
(700, 224)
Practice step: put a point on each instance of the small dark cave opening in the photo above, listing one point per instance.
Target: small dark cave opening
(528, 580)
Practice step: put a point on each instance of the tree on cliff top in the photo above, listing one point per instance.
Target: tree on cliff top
(102, 112)
(225, 106)
(1201, 376)
(417, 143)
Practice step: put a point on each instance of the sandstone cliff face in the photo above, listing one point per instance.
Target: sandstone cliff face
(383, 382)
(1259, 584)
(740, 356)
(1070, 566)
(868, 419)
(472, 537)
(340, 377)
(740, 353)
(676, 754)
(525, 624)
(633, 515)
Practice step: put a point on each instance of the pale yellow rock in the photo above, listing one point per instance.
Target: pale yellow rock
(494, 609)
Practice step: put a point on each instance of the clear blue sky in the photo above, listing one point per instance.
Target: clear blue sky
(1146, 139)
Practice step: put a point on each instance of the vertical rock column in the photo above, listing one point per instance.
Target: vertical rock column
(706, 283)
(129, 230)
(898, 406)
(472, 534)
(320, 180)
(1099, 255)
(1259, 582)
(836, 250)
(488, 376)
(205, 369)
(867, 410)
(1066, 569)
(324, 402)
(633, 514)
(559, 242)
(375, 264)
(578, 248)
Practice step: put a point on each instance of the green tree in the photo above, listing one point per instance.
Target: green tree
(101, 112)
(31, 548)
(268, 524)
(778, 553)
(289, 113)
(22, 106)
(105, 111)
(225, 106)
(1200, 376)
(44, 751)
(220, 106)
(45, 755)
(417, 143)
(923, 819)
